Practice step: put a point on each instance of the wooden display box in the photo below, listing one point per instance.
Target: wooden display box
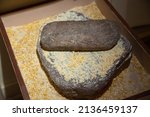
(38, 12)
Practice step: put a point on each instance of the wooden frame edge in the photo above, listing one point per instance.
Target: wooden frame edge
(12, 58)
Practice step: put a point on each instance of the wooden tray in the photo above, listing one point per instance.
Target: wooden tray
(104, 6)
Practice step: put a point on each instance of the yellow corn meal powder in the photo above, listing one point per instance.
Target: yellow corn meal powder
(81, 66)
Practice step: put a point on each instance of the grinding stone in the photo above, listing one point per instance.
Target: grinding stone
(90, 88)
(89, 35)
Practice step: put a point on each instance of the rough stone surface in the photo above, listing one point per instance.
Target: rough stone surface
(90, 88)
(90, 35)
